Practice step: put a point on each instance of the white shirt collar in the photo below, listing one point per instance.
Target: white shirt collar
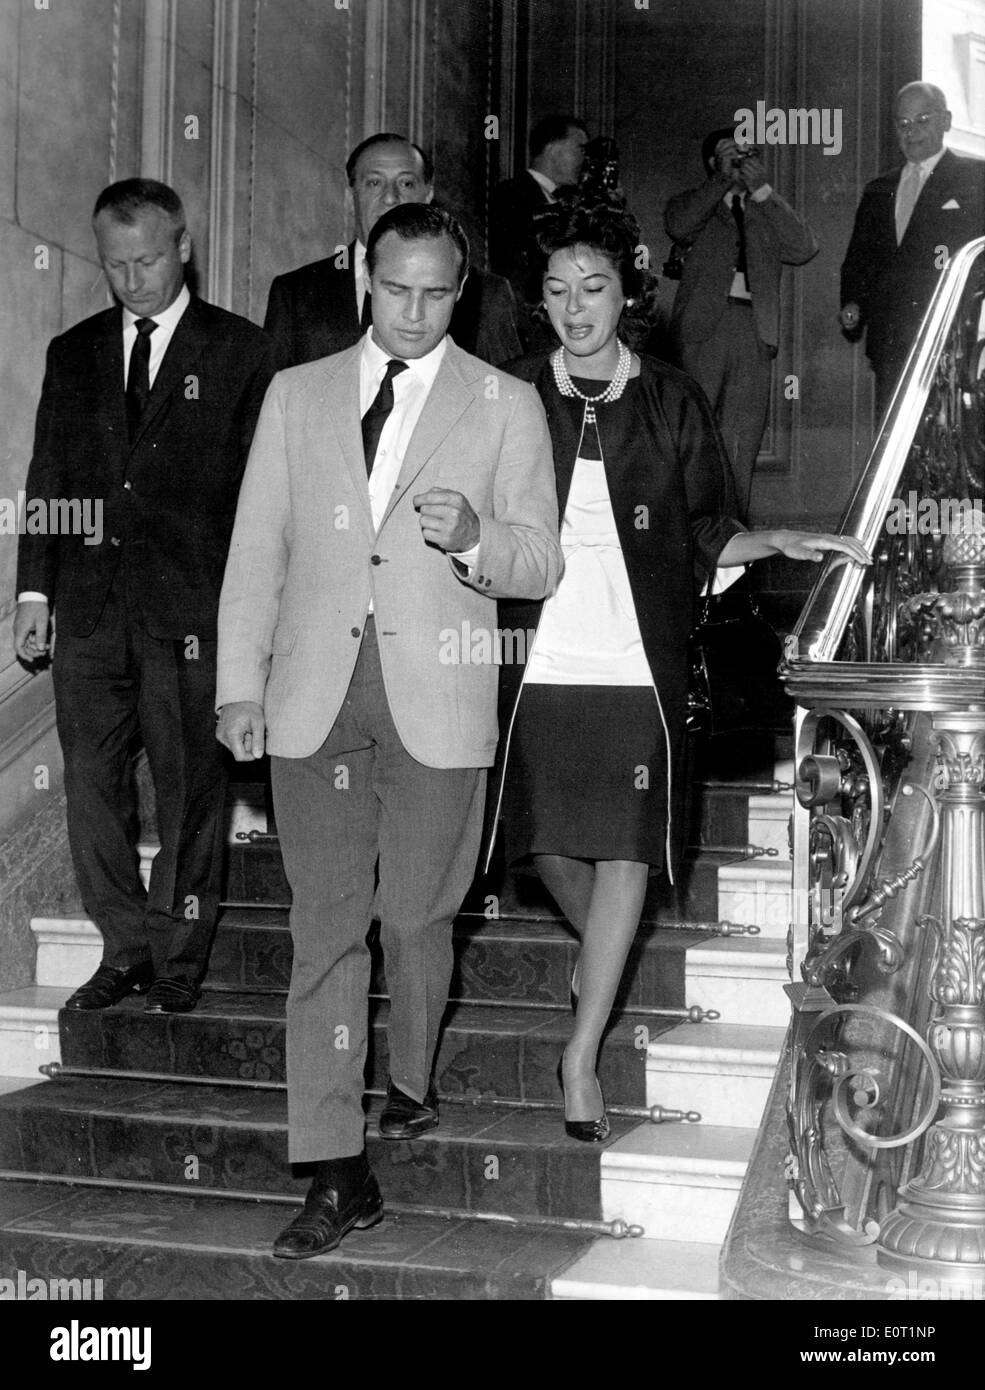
(168, 318)
(425, 368)
(928, 165)
(548, 185)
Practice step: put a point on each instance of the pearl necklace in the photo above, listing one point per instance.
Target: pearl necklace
(615, 388)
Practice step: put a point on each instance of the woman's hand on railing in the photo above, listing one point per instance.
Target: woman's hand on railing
(795, 545)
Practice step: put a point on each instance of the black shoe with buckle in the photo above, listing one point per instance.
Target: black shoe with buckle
(405, 1118)
(109, 985)
(172, 995)
(343, 1194)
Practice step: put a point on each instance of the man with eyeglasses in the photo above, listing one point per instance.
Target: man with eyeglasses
(910, 221)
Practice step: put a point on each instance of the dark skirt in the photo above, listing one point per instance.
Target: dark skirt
(586, 775)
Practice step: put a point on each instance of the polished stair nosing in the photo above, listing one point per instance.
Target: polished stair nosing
(61, 1070)
(616, 1229)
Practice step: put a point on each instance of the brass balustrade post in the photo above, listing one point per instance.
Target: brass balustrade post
(937, 1228)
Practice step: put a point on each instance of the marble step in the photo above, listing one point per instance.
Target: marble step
(481, 1158)
(29, 1029)
(641, 1270)
(723, 1071)
(680, 1182)
(148, 1245)
(742, 978)
(758, 890)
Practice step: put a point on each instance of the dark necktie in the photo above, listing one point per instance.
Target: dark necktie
(366, 317)
(739, 213)
(138, 374)
(376, 416)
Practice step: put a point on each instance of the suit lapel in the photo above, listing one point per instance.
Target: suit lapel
(108, 353)
(446, 403)
(181, 360)
(337, 407)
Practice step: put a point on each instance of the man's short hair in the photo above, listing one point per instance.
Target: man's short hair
(387, 137)
(128, 198)
(419, 222)
(712, 140)
(552, 128)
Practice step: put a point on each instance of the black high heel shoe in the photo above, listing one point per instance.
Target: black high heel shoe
(588, 1131)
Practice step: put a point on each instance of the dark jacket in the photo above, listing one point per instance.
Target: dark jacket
(775, 236)
(169, 498)
(671, 489)
(892, 285)
(311, 313)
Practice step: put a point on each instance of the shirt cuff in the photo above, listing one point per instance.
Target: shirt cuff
(762, 193)
(465, 559)
(29, 596)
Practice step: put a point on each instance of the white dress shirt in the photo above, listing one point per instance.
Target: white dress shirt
(160, 340)
(548, 185)
(410, 392)
(358, 261)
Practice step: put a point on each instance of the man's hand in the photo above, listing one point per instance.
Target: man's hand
(241, 729)
(850, 317)
(31, 622)
(751, 172)
(447, 520)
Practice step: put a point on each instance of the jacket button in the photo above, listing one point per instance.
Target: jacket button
(375, 560)
(355, 632)
(114, 540)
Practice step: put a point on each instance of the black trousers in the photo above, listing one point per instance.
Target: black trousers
(113, 689)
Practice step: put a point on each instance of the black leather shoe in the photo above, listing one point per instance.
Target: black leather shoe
(109, 985)
(588, 1131)
(332, 1207)
(172, 996)
(405, 1118)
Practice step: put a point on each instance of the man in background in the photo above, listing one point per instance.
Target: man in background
(557, 154)
(909, 222)
(737, 233)
(326, 306)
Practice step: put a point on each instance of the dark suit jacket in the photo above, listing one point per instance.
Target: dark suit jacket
(169, 499)
(311, 313)
(512, 208)
(775, 236)
(892, 285)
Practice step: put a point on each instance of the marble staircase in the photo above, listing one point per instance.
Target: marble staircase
(165, 1091)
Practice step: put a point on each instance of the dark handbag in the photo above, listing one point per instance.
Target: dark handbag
(732, 679)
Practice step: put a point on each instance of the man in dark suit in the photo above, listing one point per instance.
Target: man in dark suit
(738, 234)
(557, 153)
(325, 307)
(147, 410)
(910, 220)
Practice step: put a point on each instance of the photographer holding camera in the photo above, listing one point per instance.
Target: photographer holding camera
(735, 234)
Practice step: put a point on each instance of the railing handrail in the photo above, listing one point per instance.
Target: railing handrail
(824, 619)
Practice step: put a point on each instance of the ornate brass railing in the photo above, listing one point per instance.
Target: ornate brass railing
(886, 1108)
